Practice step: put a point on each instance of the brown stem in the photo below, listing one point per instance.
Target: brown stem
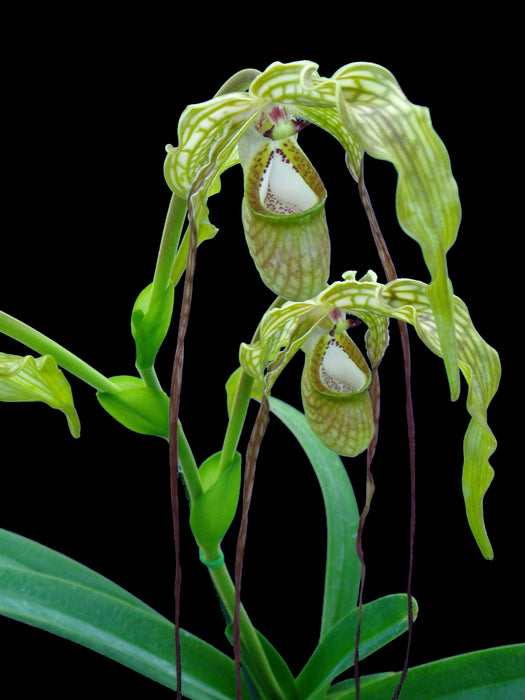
(370, 488)
(390, 272)
(176, 383)
(252, 452)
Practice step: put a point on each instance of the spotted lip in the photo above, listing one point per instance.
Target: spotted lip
(284, 219)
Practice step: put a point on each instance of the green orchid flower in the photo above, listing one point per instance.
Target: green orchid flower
(363, 107)
(336, 377)
(37, 379)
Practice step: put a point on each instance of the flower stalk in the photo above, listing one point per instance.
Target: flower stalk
(40, 343)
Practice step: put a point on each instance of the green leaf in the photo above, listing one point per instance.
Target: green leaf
(80, 605)
(37, 379)
(280, 669)
(383, 620)
(343, 569)
(137, 406)
(150, 323)
(489, 674)
(278, 665)
(212, 512)
(23, 553)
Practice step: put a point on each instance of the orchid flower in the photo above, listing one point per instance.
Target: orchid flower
(363, 107)
(336, 377)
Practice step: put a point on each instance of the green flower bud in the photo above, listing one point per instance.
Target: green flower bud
(334, 388)
(283, 214)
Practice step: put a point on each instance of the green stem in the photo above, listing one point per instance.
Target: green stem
(188, 465)
(237, 419)
(168, 247)
(160, 285)
(40, 343)
(249, 637)
(149, 377)
(240, 405)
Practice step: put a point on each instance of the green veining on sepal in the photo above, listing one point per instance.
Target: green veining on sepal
(37, 379)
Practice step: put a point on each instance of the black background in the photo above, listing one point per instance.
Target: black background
(91, 100)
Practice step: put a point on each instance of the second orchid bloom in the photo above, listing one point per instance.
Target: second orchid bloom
(336, 377)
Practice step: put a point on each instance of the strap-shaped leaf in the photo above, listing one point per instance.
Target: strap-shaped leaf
(47, 590)
(343, 568)
(383, 620)
(37, 379)
(489, 674)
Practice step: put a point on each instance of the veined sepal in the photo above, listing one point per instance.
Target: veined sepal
(37, 379)
(334, 389)
(283, 214)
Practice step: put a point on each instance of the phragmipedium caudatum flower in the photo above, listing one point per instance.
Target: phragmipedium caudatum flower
(364, 108)
(336, 377)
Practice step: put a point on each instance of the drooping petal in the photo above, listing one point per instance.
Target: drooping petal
(480, 365)
(408, 300)
(392, 128)
(37, 379)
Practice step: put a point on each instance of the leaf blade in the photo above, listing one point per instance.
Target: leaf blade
(383, 620)
(343, 569)
(489, 674)
(118, 626)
